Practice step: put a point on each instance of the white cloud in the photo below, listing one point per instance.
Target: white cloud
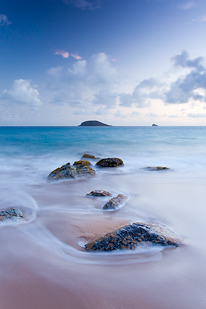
(201, 19)
(86, 82)
(187, 5)
(84, 4)
(191, 86)
(22, 92)
(199, 115)
(4, 20)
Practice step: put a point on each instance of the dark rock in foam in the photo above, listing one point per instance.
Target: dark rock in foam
(134, 235)
(156, 168)
(115, 202)
(110, 162)
(65, 171)
(89, 156)
(83, 170)
(82, 162)
(99, 193)
(11, 214)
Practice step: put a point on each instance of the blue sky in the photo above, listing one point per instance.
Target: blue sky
(123, 62)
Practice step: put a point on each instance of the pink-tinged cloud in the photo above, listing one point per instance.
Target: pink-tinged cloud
(76, 56)
(63, 53)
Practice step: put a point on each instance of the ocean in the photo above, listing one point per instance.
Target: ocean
(43, 261)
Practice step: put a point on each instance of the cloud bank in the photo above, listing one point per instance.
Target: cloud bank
(22, 92)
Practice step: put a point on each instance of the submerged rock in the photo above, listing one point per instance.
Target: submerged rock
(115, 202)
(82, 162)
(99, 193)
(134, 235)
(11, 214)
(83, 170)
(65, 171)
(110, 162)
(88, 156)
(156, 168)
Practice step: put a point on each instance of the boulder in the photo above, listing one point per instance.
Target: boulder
(156, 168)
(99, 193)
(82, 162)
(83, 170)
(65, 171)
(115, 202)
(11, 214)
(88, 156)
(134, 235)
(110, 162)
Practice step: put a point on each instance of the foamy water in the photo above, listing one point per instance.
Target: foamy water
(43, 262)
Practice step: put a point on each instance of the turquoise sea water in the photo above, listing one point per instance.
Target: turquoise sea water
(59, 218)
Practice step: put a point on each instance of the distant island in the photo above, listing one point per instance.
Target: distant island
(155, 125)
(93, 123)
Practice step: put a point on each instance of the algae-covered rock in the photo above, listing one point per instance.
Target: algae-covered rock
(82, 162)
(65, 171)
(110, 162)
(83, 170)
(99, 193)
(156, 168)
(89, 156)
(11, 214)
(134, 235)
(115, 202)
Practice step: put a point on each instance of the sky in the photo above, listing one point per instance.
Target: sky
(122, 62)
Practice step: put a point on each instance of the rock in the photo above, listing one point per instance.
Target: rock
(65, 171)
(155, 125)
(82, 162)
(134, 235)
(110, 162)
(115, 202)
(156, 168)
(93, 123)
(11, 214)
(99, 193)
(88, 156)
(83, 170)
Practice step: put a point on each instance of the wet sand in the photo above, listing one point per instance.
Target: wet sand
(43, 264)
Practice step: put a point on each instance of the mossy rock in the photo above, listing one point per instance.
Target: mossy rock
(156, 168)
(89, 156)
(11, 214)
(110, 162)
(82, 162)
(99, 193)
(134, 235)
(83, 170)
(65, 171)
(115, 202)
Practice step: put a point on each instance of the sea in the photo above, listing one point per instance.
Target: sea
(43, 263)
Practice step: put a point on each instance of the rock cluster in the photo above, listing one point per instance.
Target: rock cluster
(115, 202)
(11, 214)
(110, 162)
(131, 236)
